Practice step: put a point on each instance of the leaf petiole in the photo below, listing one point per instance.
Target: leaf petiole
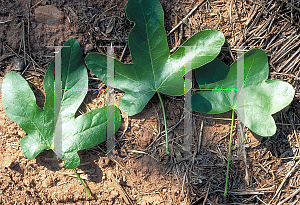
(87, 190)
(229, 150)
(165, 121)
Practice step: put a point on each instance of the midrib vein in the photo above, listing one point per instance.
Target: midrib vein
(149, 49)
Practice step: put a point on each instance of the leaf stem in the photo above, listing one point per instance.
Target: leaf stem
(87, 190)
(229, 150)
(165, 121)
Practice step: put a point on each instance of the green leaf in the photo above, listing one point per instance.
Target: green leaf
(262, 97)
(153, 69)
(79, 133)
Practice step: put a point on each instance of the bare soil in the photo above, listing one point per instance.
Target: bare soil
(141, 173)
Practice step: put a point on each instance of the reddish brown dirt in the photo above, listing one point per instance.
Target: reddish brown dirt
(141, 173)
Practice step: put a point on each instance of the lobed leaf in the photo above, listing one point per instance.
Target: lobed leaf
(153, 69)
(85, 131)
(262, 97)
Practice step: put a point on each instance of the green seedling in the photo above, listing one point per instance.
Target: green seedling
(262, 97)
(153, 69)
(79, 133)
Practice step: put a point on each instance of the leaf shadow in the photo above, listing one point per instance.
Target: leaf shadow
(90, 169)
(16, 167)
(96, 98)
(145, 124)
(87, 100)
(48, 159)
(278, 145)
(39, 95)
(88, 165)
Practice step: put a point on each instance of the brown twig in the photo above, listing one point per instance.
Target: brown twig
(285, 46)
(73, 12)
(289, 60)
(37, 4)
(122, 191)
(283, 181)
(23, 37)
(5, 21)
(291, 5)
(179, 40)
(40, 68)
(252, 13)
(289, 197)
(277, 33)
(176, 35)
(200, 137)
(28, 27)
(187, 16)
(206, 195)
(122, 55)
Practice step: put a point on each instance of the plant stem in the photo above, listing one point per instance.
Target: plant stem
(229, 150)
(87, 190)
(165, 121)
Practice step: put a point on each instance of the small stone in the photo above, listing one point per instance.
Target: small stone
(45, 184)
(227, 35)
(28, 181)
(176, 192)
(7, 162)
(49, 14)
(177, 112)
(114, 193)
(21, 133)
(89, 47)
(291, 153)
(110, 26)
(18, 64)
